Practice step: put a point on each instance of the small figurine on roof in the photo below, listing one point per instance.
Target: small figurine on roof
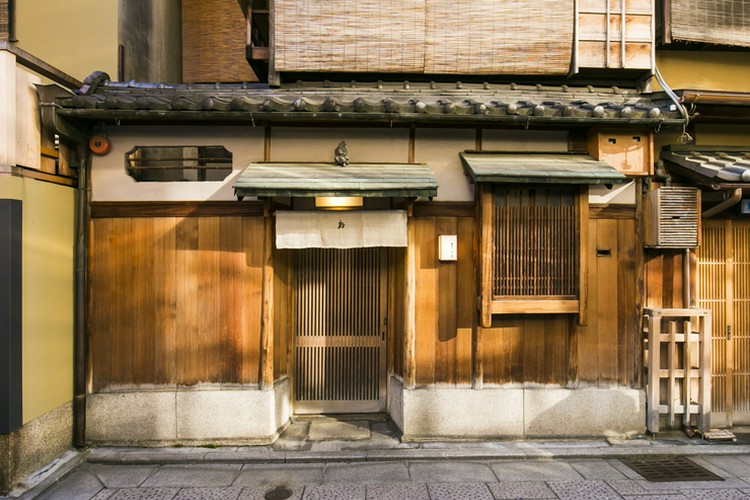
(341, 155)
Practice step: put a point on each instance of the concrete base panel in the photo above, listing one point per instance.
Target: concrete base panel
(432, 413)
(194, 416)
(34, 445)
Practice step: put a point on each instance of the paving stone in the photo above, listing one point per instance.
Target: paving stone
(715, 494)
(336, 492)
(279, 474)
(532, 470)
(651, 496)
(628, 487)
(259, 492)
(81, 484)
(450, 472)
(397, 491)
(339, 431)
(464, 491)
(729, 466)
(583, 490)
(194, 475)
(145, 494)
(122, 476)
(215, 493)
(104, 494)
(366, 472)
(520, 489)
(596, 469)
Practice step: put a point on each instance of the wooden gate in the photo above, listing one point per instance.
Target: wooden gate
(724, 288)
(340, 330)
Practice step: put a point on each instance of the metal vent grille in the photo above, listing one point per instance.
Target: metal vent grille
(670, 469)
(672, 217)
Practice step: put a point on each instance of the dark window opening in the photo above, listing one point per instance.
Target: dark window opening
(178, 163)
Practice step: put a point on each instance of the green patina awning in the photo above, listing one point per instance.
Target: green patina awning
(551, 168)
(328, 179)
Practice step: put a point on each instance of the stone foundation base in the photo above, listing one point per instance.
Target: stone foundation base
(218, 416)
(495, 412)
(34, 445)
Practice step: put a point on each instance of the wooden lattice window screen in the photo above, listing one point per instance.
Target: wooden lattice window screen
(534, 241)
(536, 251)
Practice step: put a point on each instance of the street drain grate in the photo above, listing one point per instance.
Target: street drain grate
(669, 469)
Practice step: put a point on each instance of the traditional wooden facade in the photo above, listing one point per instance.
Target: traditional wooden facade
(484, 275)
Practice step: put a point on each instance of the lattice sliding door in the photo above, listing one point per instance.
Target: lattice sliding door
(724, 288)
(741, 324)
(340, 299)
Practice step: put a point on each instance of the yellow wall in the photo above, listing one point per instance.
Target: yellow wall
(48, 265)
(727, 71)
(76, 36)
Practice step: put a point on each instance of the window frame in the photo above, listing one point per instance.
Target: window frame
(491, 305)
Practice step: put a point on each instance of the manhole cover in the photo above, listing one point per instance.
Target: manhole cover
(278, 493)
(670, 469)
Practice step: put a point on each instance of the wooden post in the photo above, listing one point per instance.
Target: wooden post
(411, 304)
(583, 261)
(477, 361)
(652, 393)
(704, 331)
(486, 257)
(266, 322)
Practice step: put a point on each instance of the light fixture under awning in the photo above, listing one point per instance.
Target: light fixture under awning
(539, 168)
(352, 229)
(327, 179)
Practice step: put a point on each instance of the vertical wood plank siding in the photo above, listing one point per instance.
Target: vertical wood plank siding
(175, 300)
(537, 349)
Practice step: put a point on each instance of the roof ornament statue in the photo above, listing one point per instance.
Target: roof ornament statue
(341, 155)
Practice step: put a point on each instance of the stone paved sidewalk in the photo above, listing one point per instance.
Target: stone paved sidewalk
(558, 478)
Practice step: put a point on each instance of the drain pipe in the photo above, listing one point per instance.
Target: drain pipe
(80, 368)
(731, 201)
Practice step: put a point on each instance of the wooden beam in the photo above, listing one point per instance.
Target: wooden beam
(267, 312)
(410, 303)
(259, 53)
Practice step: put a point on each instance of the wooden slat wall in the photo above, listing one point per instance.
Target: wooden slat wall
(283, 296)
(664, 278)
(444, 303)
(553, 349)
(175, 300)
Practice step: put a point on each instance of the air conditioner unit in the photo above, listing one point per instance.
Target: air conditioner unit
(672, 217)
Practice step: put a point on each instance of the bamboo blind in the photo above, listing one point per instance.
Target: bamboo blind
(424, 36)
(345, 35)
(4, 20)
(213, 42)
(711, 21)
(487, 36)
(535, 243)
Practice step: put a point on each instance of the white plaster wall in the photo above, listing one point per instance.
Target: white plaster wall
(618, 194)
(110, 181)
(443, 413)
(217, 415)
(537, 141)
(365, 145)
(439, 149)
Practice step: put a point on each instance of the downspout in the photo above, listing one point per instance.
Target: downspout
(80, 368)
(731, 201)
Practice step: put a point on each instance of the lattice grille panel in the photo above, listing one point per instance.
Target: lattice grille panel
(338, 300)
(535, 242)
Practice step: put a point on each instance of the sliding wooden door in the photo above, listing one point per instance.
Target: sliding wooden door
(724, 288)
(340, 330)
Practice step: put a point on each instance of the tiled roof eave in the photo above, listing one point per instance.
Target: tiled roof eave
(141, 115)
